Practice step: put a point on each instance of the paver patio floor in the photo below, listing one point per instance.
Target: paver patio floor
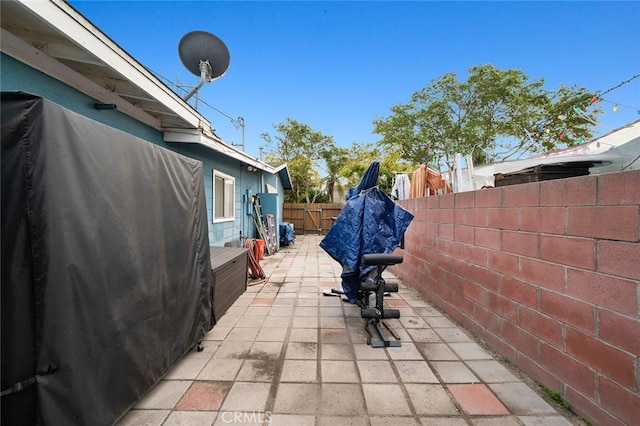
(285, 354)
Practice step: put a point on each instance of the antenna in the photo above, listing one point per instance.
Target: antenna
(239, 123)
(205, 55)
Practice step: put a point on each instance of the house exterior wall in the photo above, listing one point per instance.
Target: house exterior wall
(17, 76)
(548, 275)
(228, 231)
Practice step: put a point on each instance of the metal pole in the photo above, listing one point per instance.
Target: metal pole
(205, 75)
(241, 124)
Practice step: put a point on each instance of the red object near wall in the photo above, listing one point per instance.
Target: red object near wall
(259, 249)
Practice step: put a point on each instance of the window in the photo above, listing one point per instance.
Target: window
(224, 188)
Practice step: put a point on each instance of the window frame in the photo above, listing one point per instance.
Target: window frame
(226, 180)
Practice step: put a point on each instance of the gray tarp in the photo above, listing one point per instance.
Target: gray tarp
(106, 277)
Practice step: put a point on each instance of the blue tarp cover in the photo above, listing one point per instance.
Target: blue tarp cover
(370, 222)
(287, 235)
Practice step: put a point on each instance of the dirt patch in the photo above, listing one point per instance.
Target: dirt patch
(308, 346)
(242, 355)
(262, 356)
(265, 367)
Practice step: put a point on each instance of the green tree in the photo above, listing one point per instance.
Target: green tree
(494, 114)
(335, 159)
(303, 149)
(391, 164)
(305, 181)
(359, 158)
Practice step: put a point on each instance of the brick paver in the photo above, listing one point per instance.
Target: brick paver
(286, 354)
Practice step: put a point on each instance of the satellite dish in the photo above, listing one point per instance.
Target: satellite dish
(205, 55)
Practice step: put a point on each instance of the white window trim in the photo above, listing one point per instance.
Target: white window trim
(233, 197)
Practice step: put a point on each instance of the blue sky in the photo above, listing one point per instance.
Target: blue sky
(337, 66)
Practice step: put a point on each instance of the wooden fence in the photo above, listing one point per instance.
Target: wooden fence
(311, 218)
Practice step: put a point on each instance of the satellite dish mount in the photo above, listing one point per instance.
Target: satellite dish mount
(205, 55)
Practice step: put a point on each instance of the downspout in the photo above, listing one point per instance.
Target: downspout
(243, 207)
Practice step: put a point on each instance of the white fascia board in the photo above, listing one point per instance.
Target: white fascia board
(73, 25)
(284, 167)
(615, 149)
(612, 140)
(29, 55)
(197, 137)
(280, 167)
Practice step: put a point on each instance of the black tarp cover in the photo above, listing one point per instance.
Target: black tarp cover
(106, 277)
(369, 222)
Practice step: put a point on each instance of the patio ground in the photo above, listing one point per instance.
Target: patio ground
(285, 354)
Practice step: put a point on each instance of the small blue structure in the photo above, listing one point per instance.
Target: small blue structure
(287, 234)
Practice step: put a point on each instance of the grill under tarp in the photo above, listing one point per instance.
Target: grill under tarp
(106, 276)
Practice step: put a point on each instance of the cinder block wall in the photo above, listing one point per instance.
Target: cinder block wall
(548, 274)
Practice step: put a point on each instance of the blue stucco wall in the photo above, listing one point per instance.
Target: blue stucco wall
(222, 232)
(16, 76)
(274, 181)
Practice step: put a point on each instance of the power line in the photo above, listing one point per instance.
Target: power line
(619, 85)
(234, 121)
(583, 114)
(617, 103)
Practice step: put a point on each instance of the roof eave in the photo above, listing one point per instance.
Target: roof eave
(216, 144)
(72, 25)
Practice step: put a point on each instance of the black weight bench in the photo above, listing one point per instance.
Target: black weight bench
(374, 314)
